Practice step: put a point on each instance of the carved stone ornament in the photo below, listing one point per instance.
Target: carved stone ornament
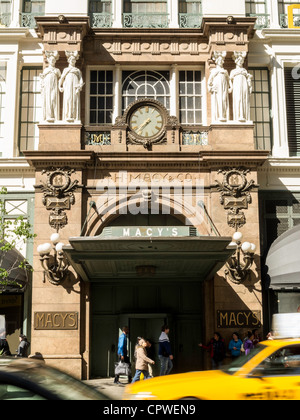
(235, 194)
(58, 195)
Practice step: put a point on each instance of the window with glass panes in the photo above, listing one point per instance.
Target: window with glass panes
(260, 108)
(254, 7)
(280, 211)
(190, 13)
(146, 84)
(283, 11)
(2, 95)
(145, 6)
(5, 12)
(30, 109)
(292, 97)
(190, 97)
(145, 14)
(190, 6)
(100, 6)
(101, 97)
(34, 6)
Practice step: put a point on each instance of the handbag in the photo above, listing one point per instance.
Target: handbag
(122, 368)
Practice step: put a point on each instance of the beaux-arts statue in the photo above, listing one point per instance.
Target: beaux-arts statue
(241, 82)
(49, 88)
(70, 83)
(220, 85)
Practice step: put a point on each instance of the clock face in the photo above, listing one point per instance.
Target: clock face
(146, 121)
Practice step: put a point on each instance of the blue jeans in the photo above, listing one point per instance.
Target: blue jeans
(166, 365)
(138, 373)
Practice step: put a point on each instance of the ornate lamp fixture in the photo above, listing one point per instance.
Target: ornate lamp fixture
(239, 265)
(55, 266)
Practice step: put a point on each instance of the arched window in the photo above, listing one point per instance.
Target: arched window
(146, 84)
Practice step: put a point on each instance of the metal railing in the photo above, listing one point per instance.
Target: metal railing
(28, 20)
(190, 20)
(263, 20)
(5, 19)
(101, 20)
(145, 20)
(284, 21)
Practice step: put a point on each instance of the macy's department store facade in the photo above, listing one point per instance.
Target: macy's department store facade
(145, 189)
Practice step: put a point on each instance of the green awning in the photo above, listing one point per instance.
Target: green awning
(96, 258)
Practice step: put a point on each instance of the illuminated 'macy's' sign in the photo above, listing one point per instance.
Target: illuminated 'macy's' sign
(149, 232)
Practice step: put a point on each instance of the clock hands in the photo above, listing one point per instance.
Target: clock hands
(142, 126)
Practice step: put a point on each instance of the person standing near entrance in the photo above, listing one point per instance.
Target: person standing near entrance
(217, 350)
(165, 352)
(123, 352)
(142, 360)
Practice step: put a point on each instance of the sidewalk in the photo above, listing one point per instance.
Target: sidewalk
(107, 387)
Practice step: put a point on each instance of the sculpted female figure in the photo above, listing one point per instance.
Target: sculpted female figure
(241, 88)
(71, 84)
(49, 87)
(219, 86)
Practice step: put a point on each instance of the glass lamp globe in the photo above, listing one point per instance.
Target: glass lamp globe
(246, 247)
(238, 236)
(55, 238)
(59, 247)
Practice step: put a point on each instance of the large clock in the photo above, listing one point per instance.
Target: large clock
(146, 120)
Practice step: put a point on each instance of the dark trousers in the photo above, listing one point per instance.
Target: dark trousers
(126, 360)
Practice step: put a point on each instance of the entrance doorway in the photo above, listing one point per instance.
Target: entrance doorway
(147, 326)
(145, 308)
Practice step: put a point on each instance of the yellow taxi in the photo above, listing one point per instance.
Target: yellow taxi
(270, 372)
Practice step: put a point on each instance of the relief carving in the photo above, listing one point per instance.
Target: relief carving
(235, 194)
(58, 195)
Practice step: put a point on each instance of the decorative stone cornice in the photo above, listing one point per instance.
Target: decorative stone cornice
(62, 34)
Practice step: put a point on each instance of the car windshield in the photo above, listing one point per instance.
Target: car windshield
(237, 364)
(58, 383)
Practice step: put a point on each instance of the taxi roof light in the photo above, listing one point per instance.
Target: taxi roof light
(286, 326)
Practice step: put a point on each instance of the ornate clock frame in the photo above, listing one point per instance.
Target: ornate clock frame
(132, 137)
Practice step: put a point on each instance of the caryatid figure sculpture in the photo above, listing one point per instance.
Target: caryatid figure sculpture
(71, 84)
(49, 88)
(241, 88)
(219, 86)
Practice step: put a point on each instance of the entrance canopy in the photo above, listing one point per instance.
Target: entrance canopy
(283, 261)
(105, 257)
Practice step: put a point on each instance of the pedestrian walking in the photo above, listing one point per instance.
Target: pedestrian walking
(235, 346)
(217, 350)
(142, 361)
(4, 346)
(151, 354)
(123, 352)
(256, 337)
(248, 343)
(165, 352)
(23, 346)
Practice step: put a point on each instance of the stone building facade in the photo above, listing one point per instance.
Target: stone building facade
(146, 163)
